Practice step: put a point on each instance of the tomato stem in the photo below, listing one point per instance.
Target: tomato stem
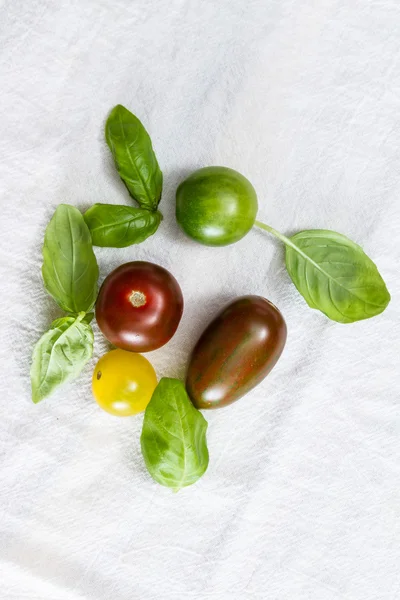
(276, 233)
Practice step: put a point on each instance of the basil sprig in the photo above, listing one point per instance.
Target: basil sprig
(173, 439)
(60, 354)
(70, 274)
(119, 226)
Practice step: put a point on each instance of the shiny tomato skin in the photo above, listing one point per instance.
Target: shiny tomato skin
(139, 306)
(216, 206)
(123, 383)
(236, 351)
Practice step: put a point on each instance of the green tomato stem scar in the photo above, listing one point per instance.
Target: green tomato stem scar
(137, 299)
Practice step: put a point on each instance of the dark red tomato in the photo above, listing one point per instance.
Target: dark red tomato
(139, 306)
(236, 351)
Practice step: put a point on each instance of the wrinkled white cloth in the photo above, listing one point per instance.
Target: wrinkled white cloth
(301, 500)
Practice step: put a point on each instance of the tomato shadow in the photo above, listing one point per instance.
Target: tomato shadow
(171, 229)
(197, 316)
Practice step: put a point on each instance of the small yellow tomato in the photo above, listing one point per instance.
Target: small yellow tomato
(123, 382)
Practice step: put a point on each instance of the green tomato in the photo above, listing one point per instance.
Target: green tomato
(216, 206)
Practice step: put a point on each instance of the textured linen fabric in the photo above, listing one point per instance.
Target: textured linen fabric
(301, 499)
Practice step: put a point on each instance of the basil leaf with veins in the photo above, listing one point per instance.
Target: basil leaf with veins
(118, 226)
(69, 270)
(60, 354)
(134, 157)
(173, 439)
(335, 276)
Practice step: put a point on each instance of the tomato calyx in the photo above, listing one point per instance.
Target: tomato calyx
(137, 299)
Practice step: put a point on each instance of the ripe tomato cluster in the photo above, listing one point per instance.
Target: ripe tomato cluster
(140, 305)
(139, 308)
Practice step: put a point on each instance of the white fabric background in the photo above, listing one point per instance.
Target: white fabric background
(301, 498)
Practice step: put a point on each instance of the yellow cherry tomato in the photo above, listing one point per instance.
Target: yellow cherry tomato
(123, 382)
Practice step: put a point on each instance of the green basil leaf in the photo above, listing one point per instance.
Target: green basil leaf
(335, 276)
(134, 157)
(120, 226)
(88, 318)
(173, 438)
(60, 354)
(70, 270)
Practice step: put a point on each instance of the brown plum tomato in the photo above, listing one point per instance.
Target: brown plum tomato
(139, 306)
(236, 351)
